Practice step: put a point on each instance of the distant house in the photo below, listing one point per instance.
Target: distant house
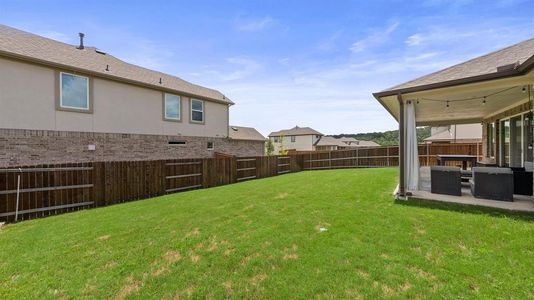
(295, 139)
(75, 103)
(458, 134)
(352, 142)
(248, 138)
(328, 143)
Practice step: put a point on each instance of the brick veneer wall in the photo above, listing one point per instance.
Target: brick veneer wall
(30, 147)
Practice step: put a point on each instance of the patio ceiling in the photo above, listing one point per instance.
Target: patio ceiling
(465, 102)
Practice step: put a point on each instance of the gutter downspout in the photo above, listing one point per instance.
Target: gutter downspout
(402, 148)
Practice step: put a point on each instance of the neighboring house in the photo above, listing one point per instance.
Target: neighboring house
(295, 139)
(494, 89)
(456, 134)
(248, 138)
(328, 143)
(352, 142)
(67, 103)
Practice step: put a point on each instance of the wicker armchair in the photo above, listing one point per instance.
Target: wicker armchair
(492, 183)
(446, 180)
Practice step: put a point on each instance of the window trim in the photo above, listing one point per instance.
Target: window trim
(59, 94)
(180, 112)
(191, 111)
(293, 139)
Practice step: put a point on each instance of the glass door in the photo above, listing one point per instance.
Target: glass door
(505, 143)
(516, 146)
(527, 137)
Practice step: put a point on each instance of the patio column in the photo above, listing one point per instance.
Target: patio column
(402, 147)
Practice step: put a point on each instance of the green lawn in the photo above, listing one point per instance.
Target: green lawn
(262, 239)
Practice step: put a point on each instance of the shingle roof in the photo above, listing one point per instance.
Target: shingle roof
(367, 144)
(23, 45)
(296, 131)
(245, 133)
(512, 57)
(330, 141)
(348, 139)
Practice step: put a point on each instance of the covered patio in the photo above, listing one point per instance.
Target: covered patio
(494, 90)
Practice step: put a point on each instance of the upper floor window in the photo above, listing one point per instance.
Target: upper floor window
(74, 91)
(197, 111)
(293, 138)
(275, 139)
(172, 107)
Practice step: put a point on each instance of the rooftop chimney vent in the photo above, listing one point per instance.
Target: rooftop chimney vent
(81, 41)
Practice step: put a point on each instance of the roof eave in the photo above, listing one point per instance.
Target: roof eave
(450, 83)
(106, 76)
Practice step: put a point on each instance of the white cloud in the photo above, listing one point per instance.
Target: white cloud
(247, 68)
(329, 43)
(256, 24)
(374, 39)
(414, 40)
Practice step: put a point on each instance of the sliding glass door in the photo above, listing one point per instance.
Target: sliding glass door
(516, 138)
(505, 143)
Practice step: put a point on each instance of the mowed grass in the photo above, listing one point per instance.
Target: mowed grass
(262, 239)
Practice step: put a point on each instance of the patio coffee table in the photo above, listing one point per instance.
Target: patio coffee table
(442, 158)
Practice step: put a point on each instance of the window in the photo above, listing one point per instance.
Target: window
(177, 142)
(73, 91)
(210, 146)
(197, 111)
(172, 105)
(292, 138)
(275, 139)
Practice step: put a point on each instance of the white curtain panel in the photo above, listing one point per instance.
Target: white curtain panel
(412, 155)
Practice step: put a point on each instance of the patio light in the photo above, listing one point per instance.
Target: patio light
(524, 90)
(484, 101)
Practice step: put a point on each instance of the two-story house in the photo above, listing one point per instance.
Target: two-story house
(295, 139)
(72, 103)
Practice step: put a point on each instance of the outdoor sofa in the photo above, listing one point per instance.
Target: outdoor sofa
(522, 181)
(492, 183)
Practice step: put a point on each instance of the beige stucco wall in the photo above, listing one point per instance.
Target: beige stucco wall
(27, 101)
(302, 143)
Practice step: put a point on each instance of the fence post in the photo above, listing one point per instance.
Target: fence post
(330, 159)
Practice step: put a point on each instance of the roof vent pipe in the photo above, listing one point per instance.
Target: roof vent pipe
(81, 41)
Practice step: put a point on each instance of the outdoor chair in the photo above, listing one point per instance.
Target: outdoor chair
(493, 183)
(522, 181)
(446, 180)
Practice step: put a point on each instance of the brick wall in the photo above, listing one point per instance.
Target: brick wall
(30, 147)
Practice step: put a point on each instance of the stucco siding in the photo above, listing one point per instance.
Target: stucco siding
(28, 101)
(302, 143)
(26, 96)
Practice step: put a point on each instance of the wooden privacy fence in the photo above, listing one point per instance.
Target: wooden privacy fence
(43, 190)
(382, 156)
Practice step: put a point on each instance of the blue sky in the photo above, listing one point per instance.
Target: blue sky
(286, 63)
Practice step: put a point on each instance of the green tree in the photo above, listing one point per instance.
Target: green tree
(269, 147)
